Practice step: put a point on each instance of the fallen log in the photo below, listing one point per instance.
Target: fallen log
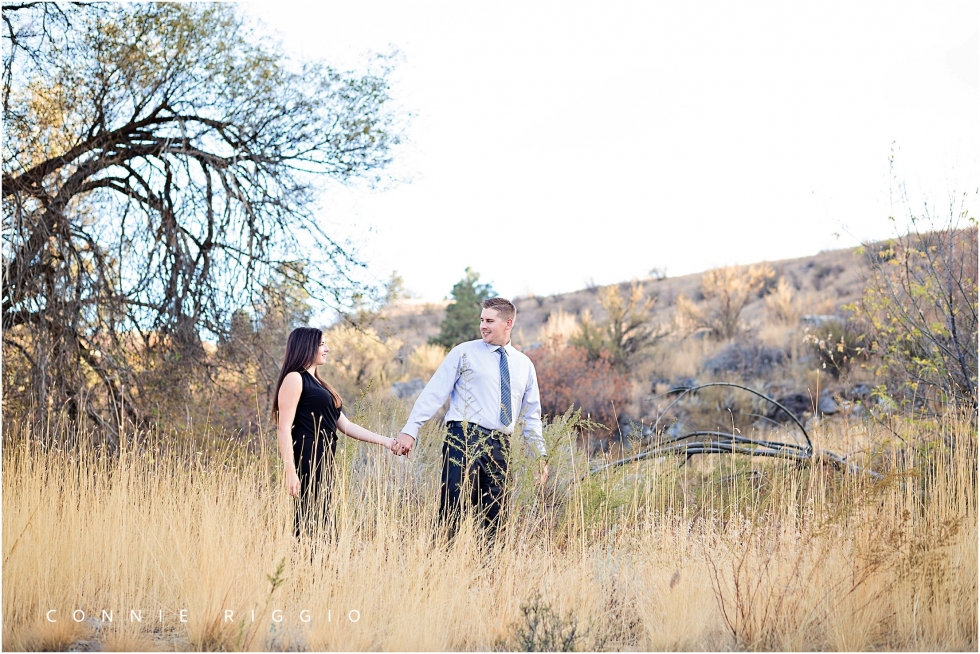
(718, 442)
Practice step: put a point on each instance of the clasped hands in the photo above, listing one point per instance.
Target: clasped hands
(403, 444)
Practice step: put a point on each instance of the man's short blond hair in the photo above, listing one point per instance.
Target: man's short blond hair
(502, 306)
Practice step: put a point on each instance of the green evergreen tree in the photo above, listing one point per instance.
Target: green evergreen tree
(462, 320)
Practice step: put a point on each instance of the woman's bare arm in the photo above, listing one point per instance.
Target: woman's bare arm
(289, 392)
(362, 434)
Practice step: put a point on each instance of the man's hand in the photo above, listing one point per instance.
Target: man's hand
(403, 444)
(543, 473)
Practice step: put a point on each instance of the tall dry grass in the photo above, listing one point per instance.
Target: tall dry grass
(721, 553)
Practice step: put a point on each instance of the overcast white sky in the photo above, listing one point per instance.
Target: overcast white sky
(557, 143)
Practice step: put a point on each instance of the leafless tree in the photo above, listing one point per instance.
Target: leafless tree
(161, 166)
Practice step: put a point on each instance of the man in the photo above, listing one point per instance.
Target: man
(489, 385)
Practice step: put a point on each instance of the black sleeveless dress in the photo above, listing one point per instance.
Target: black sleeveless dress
(314, 443)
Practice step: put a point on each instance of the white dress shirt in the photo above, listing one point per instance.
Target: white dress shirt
(470, 378)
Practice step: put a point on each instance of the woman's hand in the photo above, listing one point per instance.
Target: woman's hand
(292, 483)
(392, 445)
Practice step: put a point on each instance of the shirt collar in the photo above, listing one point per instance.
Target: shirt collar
(494, 348)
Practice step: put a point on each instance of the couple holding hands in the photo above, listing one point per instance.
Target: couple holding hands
(485, 381)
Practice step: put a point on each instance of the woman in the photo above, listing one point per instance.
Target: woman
(308, 412)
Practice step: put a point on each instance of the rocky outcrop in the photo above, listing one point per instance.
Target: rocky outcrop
(749, 359)
(801, 404)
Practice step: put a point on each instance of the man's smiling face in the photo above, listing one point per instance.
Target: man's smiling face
(494, 330)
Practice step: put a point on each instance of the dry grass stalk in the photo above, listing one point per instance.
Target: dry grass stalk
(650, 557)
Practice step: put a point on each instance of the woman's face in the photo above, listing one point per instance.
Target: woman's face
(321, 353)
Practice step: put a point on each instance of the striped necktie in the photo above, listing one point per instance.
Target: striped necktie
(505, 408)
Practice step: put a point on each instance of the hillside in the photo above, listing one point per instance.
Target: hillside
(824, 282)
(770, 350)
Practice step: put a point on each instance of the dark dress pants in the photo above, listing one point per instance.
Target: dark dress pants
(314, 466)
(474, 463)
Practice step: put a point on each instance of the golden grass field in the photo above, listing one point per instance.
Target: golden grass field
(645, 557)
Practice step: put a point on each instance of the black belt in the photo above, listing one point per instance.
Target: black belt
(472, 426)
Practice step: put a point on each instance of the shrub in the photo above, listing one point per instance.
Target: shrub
(541, 629)
(425, 359)
(567, 377)
(838, 343)
(358, 356)
(921, 303)
(726, 291)
(559, 328)
(627, 332)
(782, 302)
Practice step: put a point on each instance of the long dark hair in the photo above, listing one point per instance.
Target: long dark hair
(301, 350)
